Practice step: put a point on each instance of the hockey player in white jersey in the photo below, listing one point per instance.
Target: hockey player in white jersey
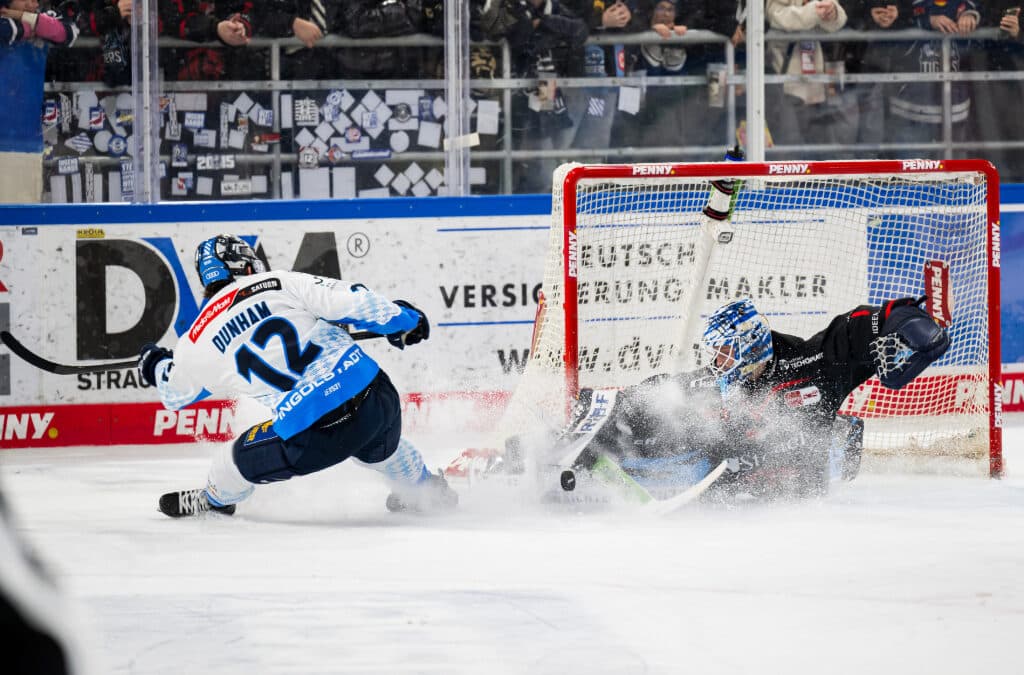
(277, 337)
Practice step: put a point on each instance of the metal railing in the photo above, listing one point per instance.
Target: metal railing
(506, 85)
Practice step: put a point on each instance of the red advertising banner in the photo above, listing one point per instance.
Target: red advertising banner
(114, 424)
(939, 292)
(1013, 391)
(150, 423)
(926, 395)
(211, 420)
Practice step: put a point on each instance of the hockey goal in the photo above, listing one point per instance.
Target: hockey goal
(633, 266)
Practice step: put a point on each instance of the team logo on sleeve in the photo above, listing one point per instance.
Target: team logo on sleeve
(211, 312)
(217, 307)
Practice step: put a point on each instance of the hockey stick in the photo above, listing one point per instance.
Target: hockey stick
(660, 507)
(614, 476)
(41, 363)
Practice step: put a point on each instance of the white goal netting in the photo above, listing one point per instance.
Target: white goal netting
(633, 267)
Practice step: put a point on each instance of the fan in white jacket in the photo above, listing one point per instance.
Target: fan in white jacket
(796, 58)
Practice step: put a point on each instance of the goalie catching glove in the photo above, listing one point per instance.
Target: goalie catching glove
(898, 340)
(149, 356)
(910, 341)
(420, 332)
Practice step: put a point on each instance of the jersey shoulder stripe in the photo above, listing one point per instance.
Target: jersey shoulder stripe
(220, 305)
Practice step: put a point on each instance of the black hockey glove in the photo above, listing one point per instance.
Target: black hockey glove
(149, 356)
(420, 332)
(909, 342)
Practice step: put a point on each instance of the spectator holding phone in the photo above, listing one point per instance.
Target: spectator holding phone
(26, 33)
(990, 121)
(1009, 22)
(917, 107)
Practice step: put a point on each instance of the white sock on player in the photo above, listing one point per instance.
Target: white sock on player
(405, 465)
(225, 484)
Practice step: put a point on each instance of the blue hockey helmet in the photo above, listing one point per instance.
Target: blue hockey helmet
(738, 340)
(225, 257)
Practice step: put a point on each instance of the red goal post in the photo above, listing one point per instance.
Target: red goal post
(634, 265)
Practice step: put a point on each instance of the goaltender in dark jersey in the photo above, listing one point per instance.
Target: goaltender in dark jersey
(777, 430)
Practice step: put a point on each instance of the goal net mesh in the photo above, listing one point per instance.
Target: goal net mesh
(650, 267)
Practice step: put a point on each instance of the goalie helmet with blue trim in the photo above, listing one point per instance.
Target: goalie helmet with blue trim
(738, 341)
(224, 257)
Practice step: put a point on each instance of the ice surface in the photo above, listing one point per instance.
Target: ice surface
(893, 574)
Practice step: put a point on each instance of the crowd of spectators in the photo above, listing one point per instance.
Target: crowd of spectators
(548, 41)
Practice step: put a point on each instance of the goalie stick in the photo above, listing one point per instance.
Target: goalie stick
(30, 357)
(661, 507)
(610, 473)
(592, 412)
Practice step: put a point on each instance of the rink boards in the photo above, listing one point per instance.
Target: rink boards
(87, 284)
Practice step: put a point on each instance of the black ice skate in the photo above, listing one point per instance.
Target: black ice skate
(190, 503)
(431, 494)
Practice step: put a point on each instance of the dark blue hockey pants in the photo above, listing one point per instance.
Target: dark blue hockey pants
(366, 427)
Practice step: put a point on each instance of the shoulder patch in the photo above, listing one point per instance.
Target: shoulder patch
(800, 398)
(208, 314)
(271, 284)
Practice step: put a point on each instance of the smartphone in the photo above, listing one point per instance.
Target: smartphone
(1009, 11)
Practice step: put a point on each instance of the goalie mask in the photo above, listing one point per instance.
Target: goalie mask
(738, 341)
(224, 257)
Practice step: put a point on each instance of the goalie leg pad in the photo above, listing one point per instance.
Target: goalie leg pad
(910, 342)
